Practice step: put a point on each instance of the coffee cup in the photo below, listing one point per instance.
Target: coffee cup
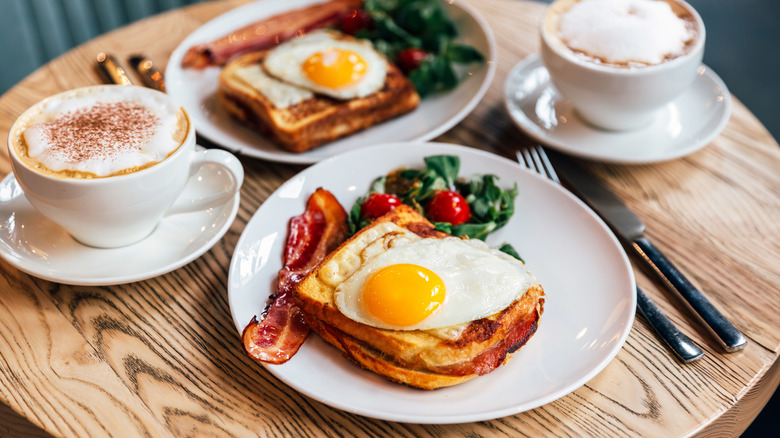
(108, 162)
(621, 61)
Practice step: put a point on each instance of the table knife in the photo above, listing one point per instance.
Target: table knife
(631, 229)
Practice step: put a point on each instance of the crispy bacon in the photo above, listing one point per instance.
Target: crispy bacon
(313, 235)
(492, 358)
(268, 32)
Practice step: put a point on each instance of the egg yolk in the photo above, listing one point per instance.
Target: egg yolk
(335, 67)
(403, 294)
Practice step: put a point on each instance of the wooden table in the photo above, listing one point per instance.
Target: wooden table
(162, 357)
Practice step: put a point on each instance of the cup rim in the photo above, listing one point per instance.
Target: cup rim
(550, 41)
(189, 138)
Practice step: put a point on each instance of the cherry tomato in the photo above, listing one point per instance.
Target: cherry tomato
(354, 20)
(448, 206)
(409, 59)
(378, 204)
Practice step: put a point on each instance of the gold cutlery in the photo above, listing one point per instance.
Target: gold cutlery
(150, 75)
(112, 70)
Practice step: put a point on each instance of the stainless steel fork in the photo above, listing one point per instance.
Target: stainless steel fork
(535, 159)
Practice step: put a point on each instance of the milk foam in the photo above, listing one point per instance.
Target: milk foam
(104, 131)
(624, 31)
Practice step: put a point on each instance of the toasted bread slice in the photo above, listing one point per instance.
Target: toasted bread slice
(424, 359)
(315, 120)
(376, 361)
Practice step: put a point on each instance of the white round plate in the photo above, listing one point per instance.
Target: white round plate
(683, 126)
(585, 272)
(196, 89)
(41, 248)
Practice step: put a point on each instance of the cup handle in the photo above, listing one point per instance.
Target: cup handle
(222, 175)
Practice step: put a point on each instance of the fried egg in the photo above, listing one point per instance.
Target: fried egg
(405, 282)
(325, 62)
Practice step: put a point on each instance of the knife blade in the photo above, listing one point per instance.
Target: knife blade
(631, 230)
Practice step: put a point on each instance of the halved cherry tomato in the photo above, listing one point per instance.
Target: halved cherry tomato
(378, 204)
(354, 20)
(409, 59)
(448, 206)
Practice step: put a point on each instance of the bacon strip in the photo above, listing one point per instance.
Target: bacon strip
(313, 235)
(267, 33)
(490, 359)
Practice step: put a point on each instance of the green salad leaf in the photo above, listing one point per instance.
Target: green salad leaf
(509, 249)
(491, 205)
(423, 24)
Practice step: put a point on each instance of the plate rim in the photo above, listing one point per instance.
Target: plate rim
(174, 72)
(426, 419)
(532, 129)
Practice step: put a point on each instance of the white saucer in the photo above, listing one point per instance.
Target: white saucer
(683, 126)
(39, 247)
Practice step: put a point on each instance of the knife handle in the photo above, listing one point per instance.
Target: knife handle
(681, 345)
(151, 76)
(730, 338)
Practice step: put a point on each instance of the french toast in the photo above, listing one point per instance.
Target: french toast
(426, 359)
(317, 119)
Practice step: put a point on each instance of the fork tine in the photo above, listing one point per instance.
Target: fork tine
(535, 159)
(534, 154)
(529, 162)
(520, 159)
(525, 158)
(541, 155)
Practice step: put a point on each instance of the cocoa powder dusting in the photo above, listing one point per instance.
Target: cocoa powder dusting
(100, 131)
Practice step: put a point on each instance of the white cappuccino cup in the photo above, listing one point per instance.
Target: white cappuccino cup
(108, 162)
(620, 61)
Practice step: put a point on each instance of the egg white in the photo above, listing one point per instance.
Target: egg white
(285, 62)
(280, 94)
(479, 281)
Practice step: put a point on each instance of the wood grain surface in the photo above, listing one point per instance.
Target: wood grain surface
(162, 358)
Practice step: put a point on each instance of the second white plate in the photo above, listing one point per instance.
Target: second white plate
(196, 89)
(585, 272)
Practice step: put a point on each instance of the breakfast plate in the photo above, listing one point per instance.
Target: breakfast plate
(682, 127)
(195, 90)
(587, 316)
(34, 244)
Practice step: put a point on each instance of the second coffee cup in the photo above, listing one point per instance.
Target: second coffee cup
(620, 61)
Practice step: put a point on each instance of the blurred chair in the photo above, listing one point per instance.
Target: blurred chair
(33, 32)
